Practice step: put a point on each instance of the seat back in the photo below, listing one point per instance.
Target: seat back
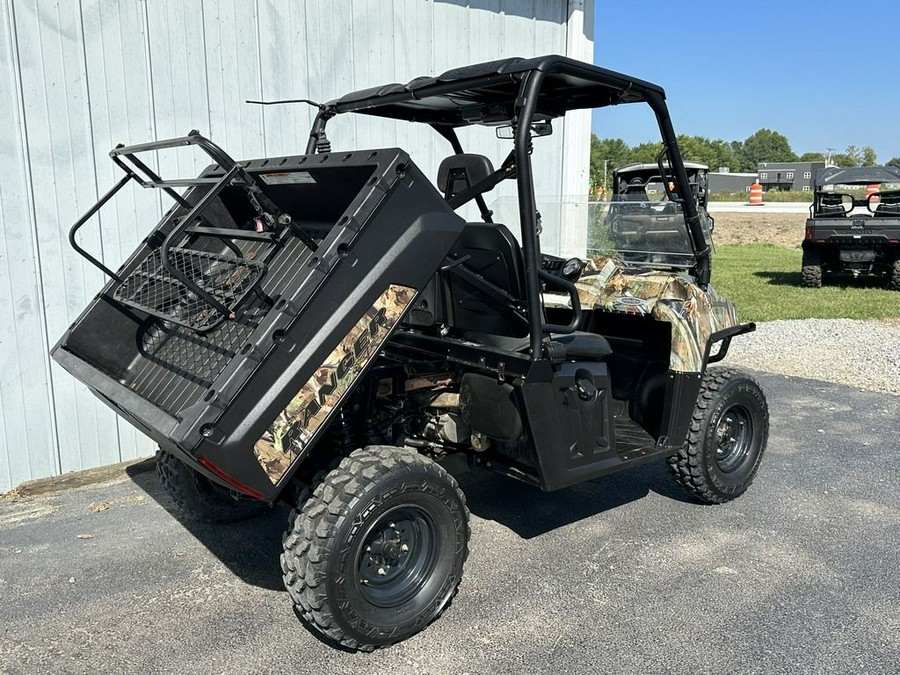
(492, 253)
(888, 207)
(458, 172)
(635, 191)
(830, 206)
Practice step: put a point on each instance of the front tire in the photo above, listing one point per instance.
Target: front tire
(726, 440)
(195, 497)
(375, 551)
(811, 270)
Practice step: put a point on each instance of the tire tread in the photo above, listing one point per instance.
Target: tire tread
(811, 270)
(194, 498)
(894, 283)
(309, 541)
(687, 465)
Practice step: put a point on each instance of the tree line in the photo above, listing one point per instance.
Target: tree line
(739, 156)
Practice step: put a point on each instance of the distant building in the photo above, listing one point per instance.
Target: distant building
(724, 180)
(796, 176)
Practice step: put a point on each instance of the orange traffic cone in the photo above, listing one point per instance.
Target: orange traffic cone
(872, 189)
(756, 194)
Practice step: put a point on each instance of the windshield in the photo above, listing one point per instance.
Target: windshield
(643, 233)
(650, 234)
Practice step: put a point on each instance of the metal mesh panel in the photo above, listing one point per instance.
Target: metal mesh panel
(152, 289)
(178, 364)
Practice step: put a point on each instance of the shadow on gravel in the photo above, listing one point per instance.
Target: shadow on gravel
(529, 512)
(249, 548)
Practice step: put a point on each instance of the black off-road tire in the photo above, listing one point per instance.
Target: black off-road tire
(811, 270)
(726, 440)
(375, 549)
(197, 498)
(894, 283)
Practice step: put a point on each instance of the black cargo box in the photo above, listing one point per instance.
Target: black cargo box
(207, 385)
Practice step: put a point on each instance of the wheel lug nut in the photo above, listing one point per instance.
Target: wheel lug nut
(382, 571)
(393, 526)
(404, 548)
(368, 549)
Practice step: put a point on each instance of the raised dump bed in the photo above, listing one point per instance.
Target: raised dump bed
(261, 273)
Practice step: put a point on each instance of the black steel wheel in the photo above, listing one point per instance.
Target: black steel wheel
(733, 438)
(195, 497)
(727, 437)
(398, 556)
(374, 551)
(811, 270)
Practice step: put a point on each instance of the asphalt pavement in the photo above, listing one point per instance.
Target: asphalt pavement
(619, 575)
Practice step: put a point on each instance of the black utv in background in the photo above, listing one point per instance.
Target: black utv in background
(644, 214)
(645, 182)
(850, 232)
(325, 331)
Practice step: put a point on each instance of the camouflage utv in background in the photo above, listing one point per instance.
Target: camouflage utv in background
(324, 330)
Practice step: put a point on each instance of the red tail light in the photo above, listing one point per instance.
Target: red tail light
(237, 485)
(808, 233)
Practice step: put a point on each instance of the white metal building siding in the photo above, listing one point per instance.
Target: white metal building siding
(78, 77)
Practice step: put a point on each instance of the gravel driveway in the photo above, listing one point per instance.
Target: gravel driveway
(856, 353)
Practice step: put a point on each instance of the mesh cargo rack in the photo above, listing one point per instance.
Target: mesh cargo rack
(180, 283)
(248, 287)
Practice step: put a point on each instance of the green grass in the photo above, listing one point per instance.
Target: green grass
(769, 196)
(763, 281)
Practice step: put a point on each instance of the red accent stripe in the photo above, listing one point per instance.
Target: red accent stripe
(237, 485)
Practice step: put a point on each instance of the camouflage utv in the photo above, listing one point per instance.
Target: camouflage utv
(324, 330)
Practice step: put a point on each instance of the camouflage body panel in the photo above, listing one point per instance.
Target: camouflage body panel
(694, 314)
(287, 440)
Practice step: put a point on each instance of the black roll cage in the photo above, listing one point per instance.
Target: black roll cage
(601, 88)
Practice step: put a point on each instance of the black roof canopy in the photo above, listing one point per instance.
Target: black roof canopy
(486, 93)
(861, 175)
(653, 169)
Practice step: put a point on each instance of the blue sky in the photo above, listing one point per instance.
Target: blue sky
(822, 72)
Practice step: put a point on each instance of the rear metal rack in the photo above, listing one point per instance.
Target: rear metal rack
(187, 286)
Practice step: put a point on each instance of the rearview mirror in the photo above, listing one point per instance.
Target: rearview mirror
(537, 129)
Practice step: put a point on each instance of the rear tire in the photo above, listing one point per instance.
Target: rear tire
(726, 440)
(197, 498)
(375, 551)
(811, 270)
(894, 283)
